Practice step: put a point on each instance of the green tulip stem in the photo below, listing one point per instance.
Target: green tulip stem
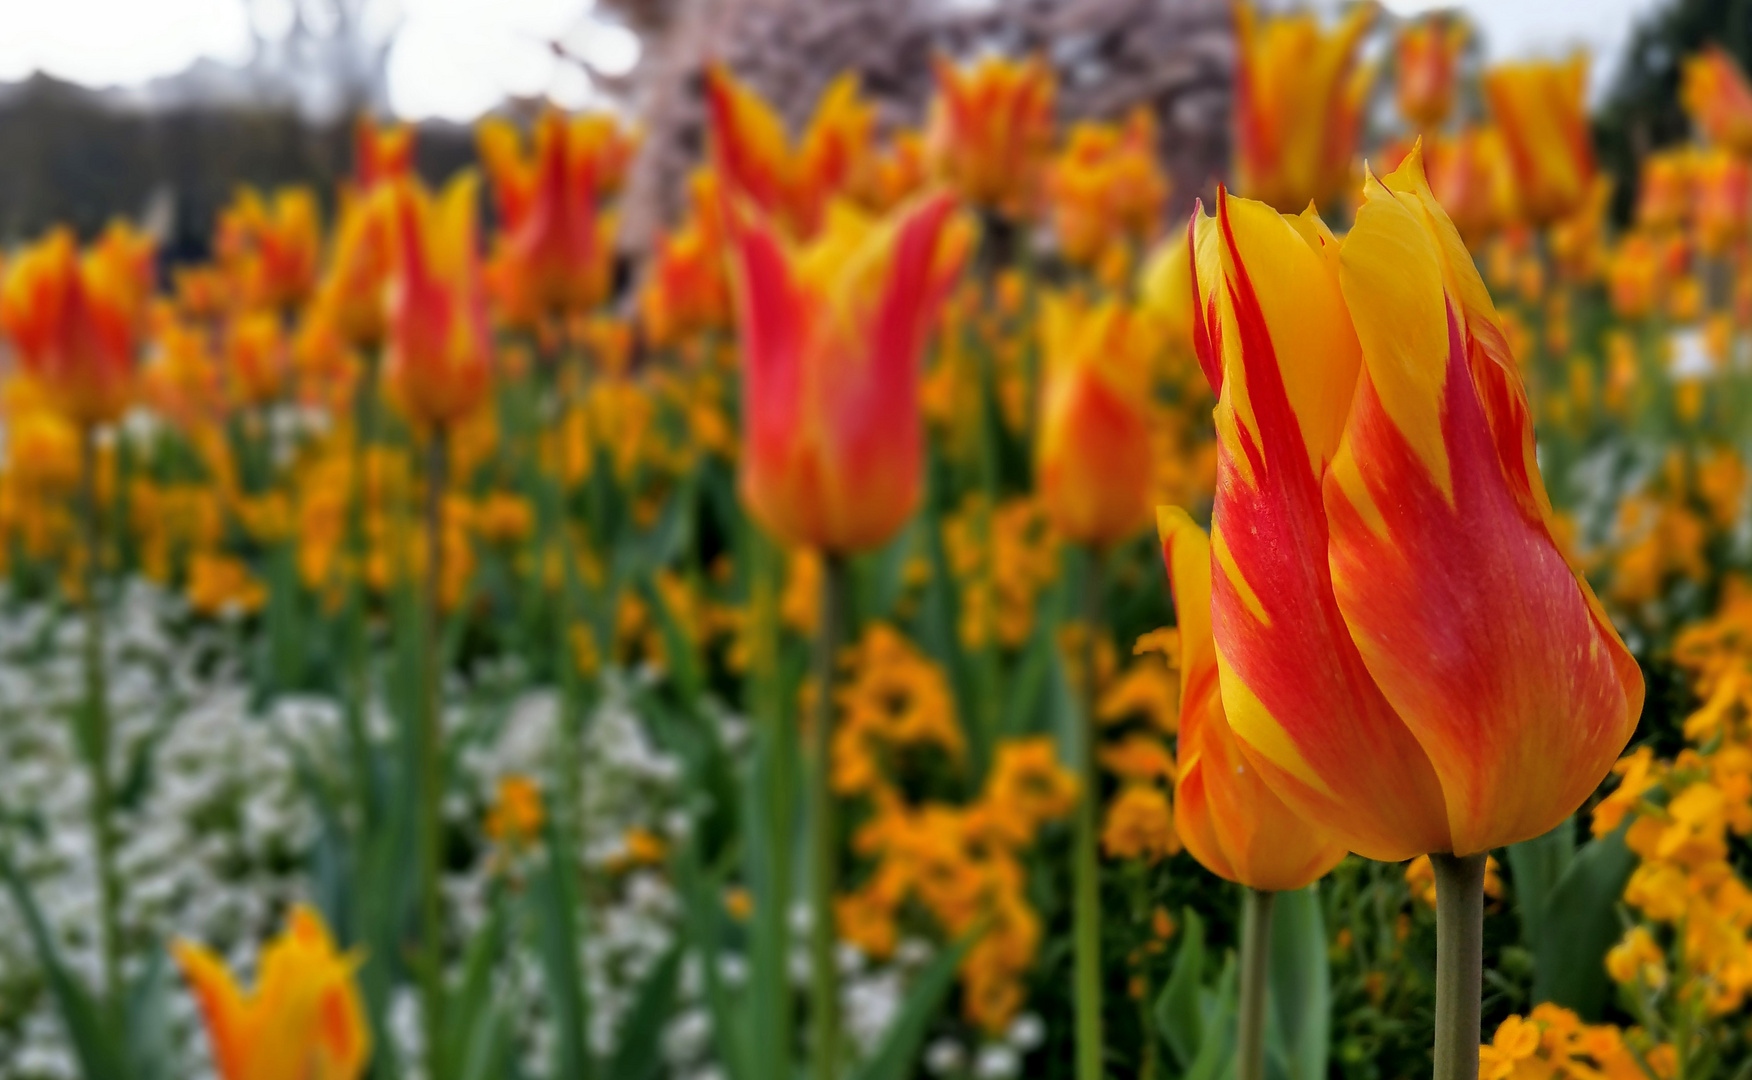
(1459, 963)
(1086, 868)
(1255, 983)
(823, 823)
(431, 760)
(94, 727)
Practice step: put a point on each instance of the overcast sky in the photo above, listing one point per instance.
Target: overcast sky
(457, 58)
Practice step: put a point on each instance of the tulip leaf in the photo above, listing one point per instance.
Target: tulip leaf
(1300, 1021)
(704, 929)
(637, 1055)
(149, 1020)
(554, 892)
(1179, 1019)
(1580, 925)
(1535, 867)
(1219, 1008)
(896, 1054)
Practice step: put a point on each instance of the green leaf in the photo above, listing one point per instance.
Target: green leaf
(1299, 1024)
(899, 1049)
(1179, 1018)
(704, 927)
(636, 1054)
(1216, 1052)
(1581, 924)
(149, 1019)
(554, 893)
(1535, 867)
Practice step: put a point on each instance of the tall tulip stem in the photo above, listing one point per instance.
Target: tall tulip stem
(431, 756)
(1255, 983)
(1459, 963)
(824, 824)
(94, 723)
(1086, 869)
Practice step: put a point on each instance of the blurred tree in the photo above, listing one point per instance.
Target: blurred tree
(1641, 111)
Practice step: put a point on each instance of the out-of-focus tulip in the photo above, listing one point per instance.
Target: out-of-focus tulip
(552, 254)
(1722, 194)
(1165, 292)
(1092, 456)
(1406, 655)
(76, 321)
(1299, 96)
(1578, 241)
(687, 289)
(439, 353)
(1470, 175)
(1664, 192)
(1428, 58)
(349, 300)
(1541, 109)
(991, 129)
(303, 1021)
(792, 183)
(256, 362)
(271, 246)
(1718, 99)
(1226, 815)
(901, 171)
(381, 153)
(1106, 185)
(1634, 277)
(831, 337)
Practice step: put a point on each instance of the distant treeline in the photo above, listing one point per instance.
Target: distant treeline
(68, 155)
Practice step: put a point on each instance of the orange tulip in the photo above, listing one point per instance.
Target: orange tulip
(1405, 654)
(1429, 59)
(1664, 193)
(381, 153)
(270, 246)
(76, 321)
(439, 350)
(1298, 104)
(1541, 109)
(256, 362)
(553, 252)
(349, 299)
(1106, 186)
(1092, 456)
(1718, 99)
(1226, 815)
(302, 1022)
(687, 290)
(1722, 196)
(831, 337)
(991, 129)
(1470, 175)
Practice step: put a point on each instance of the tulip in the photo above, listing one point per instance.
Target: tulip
(1228, 818)
(554, 251)
(1106, 186)
(1665, 189)
(381, 154)
(686, 289)
(1469, 173)
(271, 246)
(439, 350)
(1365, 495)
(1718, 99)
(1093, 451)
(991, 129)
(1541, 109)
(831, 337)
(255, 358)
(76, 321)
(349, 299)
(1429, 56)
(1298, 104)
(303, 1021)
(1722, 195)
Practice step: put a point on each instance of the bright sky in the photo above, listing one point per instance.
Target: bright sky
(458, 58)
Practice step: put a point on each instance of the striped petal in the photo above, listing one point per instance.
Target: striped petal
(1294, 688)
(1488, 645)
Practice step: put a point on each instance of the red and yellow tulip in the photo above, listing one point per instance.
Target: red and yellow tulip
(1428, 61)
(1718, 99)
(271, 246)
(554, 249)
(1299, 96)
(1664, 194)
(256, 361)
(1722, 200)
(686, 290)
(831, 340)
(303, 1020)
(76, 320)
(1106, 186)
(381, 153)
(1541, 109)
(1404, 651)
(439, 350)
(991, 129)
(1227, 817)
(1470, 174)
(1092, 455)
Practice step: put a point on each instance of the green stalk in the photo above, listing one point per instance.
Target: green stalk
(774, 988)
(431, 761)
(824, 825)
(93, 730)
(1086, 868)
(1255, 983)
(1459, 963)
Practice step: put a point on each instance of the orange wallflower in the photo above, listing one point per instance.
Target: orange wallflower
(303, 1019)
(1541, 109)
(991, 128)
(831, 341)
(76, 320)
(1298, 104)
(1428, 57)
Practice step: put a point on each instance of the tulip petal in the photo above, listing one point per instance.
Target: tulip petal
(1466, 614)
(1295, 690)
